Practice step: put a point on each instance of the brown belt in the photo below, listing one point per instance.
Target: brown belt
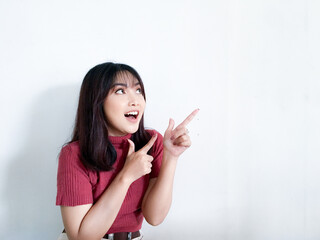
(120, 235)
(123, 235)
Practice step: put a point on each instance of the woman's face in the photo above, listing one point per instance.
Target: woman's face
(124, 105)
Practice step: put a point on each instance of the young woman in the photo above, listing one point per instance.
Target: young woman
(114, 172)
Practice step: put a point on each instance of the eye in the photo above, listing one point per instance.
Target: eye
(119, 91)
(139, 90)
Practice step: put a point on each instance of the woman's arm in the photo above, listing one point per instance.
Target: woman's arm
(158, 197)
(86, 222)
(93, 221)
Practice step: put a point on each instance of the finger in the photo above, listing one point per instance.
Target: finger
(183, 141)
(179, 131)
(131, 147)
(149, 145)
(189, 118)
(171, 125)
(150, 158)
(148, 170)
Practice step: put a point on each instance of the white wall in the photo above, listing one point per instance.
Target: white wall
(252, 67)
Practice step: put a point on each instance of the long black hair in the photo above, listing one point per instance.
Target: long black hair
(97, 152)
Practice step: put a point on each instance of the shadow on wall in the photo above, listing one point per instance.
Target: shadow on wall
(31, 176)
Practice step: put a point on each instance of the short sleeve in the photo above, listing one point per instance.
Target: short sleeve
(73, 182)
(157, 153)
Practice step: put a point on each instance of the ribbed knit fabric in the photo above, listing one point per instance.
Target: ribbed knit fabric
(76, 185)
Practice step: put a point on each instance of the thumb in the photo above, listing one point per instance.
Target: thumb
(170, 127)
(131, 147)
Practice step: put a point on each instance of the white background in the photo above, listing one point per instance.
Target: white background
(251, 66)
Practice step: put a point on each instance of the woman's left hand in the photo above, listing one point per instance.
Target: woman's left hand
(177, 140)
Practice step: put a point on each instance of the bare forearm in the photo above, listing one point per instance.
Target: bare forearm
(103, 213)
(158, 198)
(158, 202)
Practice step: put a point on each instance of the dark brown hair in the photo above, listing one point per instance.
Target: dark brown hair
(97, 152)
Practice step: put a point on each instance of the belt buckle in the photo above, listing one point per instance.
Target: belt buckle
(111, 236)
(129, 236)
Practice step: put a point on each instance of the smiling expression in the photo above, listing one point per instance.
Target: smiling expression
(124, 105)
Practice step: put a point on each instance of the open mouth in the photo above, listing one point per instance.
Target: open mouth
(132, 114)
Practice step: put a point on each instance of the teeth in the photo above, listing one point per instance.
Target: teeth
(132, 113)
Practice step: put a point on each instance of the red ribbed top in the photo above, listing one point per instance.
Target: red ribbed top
(76, 185)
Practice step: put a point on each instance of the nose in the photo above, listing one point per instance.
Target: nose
(133, 99)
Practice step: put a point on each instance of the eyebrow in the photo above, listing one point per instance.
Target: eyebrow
(123, 84)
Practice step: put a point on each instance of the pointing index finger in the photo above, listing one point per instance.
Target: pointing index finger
(189, 118)
(149, 145)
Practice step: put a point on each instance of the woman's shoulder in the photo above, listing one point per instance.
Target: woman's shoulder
(153, 132)
(158, 145)
(72, 146)
(159, 140)
(70, 154)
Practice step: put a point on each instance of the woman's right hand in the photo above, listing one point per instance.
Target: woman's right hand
(138, 163)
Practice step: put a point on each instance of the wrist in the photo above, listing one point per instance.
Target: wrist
(124, 178)
(169, 156)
